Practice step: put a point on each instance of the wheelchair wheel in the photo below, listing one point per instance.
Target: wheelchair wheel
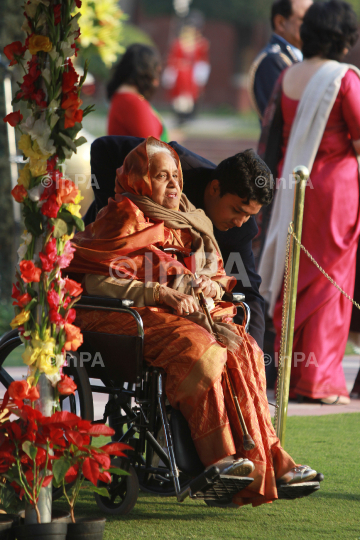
(123, 491)
(12, 368)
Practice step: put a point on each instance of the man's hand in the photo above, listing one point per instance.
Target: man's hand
(206, 285)
(183, 304)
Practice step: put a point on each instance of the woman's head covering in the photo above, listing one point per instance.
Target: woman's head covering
(134, 177)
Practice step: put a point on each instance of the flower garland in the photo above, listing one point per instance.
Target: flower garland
(50, 88)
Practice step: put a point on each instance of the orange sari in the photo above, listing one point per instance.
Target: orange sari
(191, 357)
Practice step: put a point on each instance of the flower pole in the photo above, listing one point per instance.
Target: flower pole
(49, 201)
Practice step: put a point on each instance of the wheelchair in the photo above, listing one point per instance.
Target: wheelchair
(163, 460)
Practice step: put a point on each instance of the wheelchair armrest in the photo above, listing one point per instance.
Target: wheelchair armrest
(235, 298)
(103, 302)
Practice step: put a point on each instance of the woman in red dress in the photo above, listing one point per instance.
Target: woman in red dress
(135, 79)
(331, 212)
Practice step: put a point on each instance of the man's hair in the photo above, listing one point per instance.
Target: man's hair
(328, 28)
(139, 66)
(281, 7)
(247, 176)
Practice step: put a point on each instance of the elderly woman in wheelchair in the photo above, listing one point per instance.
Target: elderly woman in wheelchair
(146, 246)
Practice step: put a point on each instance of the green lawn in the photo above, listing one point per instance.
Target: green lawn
(328, 443)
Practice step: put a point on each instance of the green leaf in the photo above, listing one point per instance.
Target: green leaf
(33, 222)
(80, 225)
(60, 468)
(29, 449)
(119, 472)
(100, 490)
(80, 141)
(66, 216)
(60, 227)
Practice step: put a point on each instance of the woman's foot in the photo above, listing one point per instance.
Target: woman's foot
(297, 475)
(335, 400)
(240, 467)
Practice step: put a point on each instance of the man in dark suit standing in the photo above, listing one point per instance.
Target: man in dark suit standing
(282, 51)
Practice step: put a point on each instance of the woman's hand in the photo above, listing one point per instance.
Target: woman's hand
(206, 285)
(183, 304)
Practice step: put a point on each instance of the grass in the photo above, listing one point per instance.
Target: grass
(328, 443)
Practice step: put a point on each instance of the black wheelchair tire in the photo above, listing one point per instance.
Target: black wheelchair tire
(127, 490)
(84, 395)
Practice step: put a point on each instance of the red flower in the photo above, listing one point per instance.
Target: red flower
(51, 164)
(19, 193)
(33, 394)
(78, 3)
(71, 104)
(69, 78)
(57, 14)
(71, 316)
(18, 390)
(72, 287)
(55, 317)
(51, 249)
(74, 337)
(46, 264)
(50, 207)
(29, 272)
(15, 293)
(13, 118)
(14, 49)
(53, 299)
(23, 300)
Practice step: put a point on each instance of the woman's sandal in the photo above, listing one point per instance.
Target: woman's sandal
(335, 400)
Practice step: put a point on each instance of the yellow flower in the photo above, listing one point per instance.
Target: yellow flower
(24, 177)
(74, 209)
(25, 145)
(37, 167)
(30, 355)
(39, 43)
(46, 363)
(78, 198)
(67, 237)
(21, 318)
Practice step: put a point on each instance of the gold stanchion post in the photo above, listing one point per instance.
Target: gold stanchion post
(301, 175)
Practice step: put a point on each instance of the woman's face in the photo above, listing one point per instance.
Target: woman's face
(165, 181)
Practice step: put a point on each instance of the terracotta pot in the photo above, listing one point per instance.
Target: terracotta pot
(86, 529)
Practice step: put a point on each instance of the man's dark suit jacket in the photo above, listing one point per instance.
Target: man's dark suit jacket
(108, 153)
(266, 68)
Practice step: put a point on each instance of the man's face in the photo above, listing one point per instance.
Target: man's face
(229, 210)
(289, 28)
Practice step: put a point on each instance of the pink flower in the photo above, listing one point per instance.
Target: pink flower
(65, 259)
(53, 299)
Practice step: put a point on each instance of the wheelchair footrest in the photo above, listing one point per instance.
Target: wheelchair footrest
(296, 491)
(213, 486)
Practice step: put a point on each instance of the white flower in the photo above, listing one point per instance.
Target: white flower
(54, 118)
(74, 24)
(67, 49)
(54, 55)
(54, 105)
(59, 62)
(54, 379)
(40, 132)
(67, 153)
(27, 237)
(46, 75)
(36, 192)
(27, 56)
(26, 27)
(59, 360)
(30, 9)
(41, 20)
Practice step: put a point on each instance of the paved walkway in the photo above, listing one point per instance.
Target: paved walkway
(351, 365)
